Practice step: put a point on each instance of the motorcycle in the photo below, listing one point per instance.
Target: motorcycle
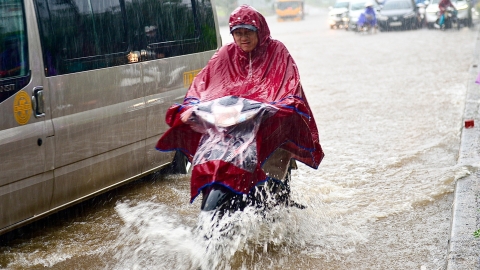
(225, 166)
(450, 19)
(366, 24)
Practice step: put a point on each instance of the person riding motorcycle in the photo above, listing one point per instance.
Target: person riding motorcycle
(368, 17)
(442, 6)
(258, 68)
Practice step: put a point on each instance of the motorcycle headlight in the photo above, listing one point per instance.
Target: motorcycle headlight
(409, 15)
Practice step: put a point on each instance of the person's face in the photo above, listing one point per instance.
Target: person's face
(246, 39)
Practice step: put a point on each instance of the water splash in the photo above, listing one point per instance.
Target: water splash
(249, 239)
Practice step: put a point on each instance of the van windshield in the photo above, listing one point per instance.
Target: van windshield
(13, 40)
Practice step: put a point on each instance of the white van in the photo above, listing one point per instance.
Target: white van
(84, 86)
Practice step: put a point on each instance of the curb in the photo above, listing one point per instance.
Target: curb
(463, 247)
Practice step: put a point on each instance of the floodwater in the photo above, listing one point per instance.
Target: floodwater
(389, 111)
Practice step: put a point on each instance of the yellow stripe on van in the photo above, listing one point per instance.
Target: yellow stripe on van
(22, 107)
(188, 77)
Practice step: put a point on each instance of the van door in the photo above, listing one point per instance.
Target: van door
(25, 188)
(97, 99)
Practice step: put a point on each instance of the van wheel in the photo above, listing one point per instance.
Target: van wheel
(179, 164)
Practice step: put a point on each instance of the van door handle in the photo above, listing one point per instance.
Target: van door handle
(38, 102)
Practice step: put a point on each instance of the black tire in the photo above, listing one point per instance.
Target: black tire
(179, 164)
(448, 24)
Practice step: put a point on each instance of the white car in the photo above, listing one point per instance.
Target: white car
(338, 14)
(463, 7)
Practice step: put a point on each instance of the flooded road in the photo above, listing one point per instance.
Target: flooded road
(389, 112)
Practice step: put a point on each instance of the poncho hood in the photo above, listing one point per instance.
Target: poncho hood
(248, 15)
(266, 74)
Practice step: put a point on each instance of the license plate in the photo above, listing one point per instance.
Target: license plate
(395, 23)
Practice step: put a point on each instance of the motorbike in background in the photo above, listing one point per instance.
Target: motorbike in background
(450, 20)
(368, 27)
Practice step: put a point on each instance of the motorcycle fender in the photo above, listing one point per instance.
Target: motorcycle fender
(214, 198)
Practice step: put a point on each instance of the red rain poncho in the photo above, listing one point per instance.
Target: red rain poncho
(268, 74)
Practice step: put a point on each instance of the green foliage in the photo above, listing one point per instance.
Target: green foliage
(476, 233)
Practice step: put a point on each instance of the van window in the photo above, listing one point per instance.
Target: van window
(162, 27)
(341, 5)
(13, 48)
(80, 35)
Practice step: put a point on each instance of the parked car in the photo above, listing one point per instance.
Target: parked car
(356, 8)
(464, 12)
(338, 14)
(399, 14)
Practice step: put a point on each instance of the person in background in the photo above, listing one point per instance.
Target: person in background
(442, 6)
(367, 17)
